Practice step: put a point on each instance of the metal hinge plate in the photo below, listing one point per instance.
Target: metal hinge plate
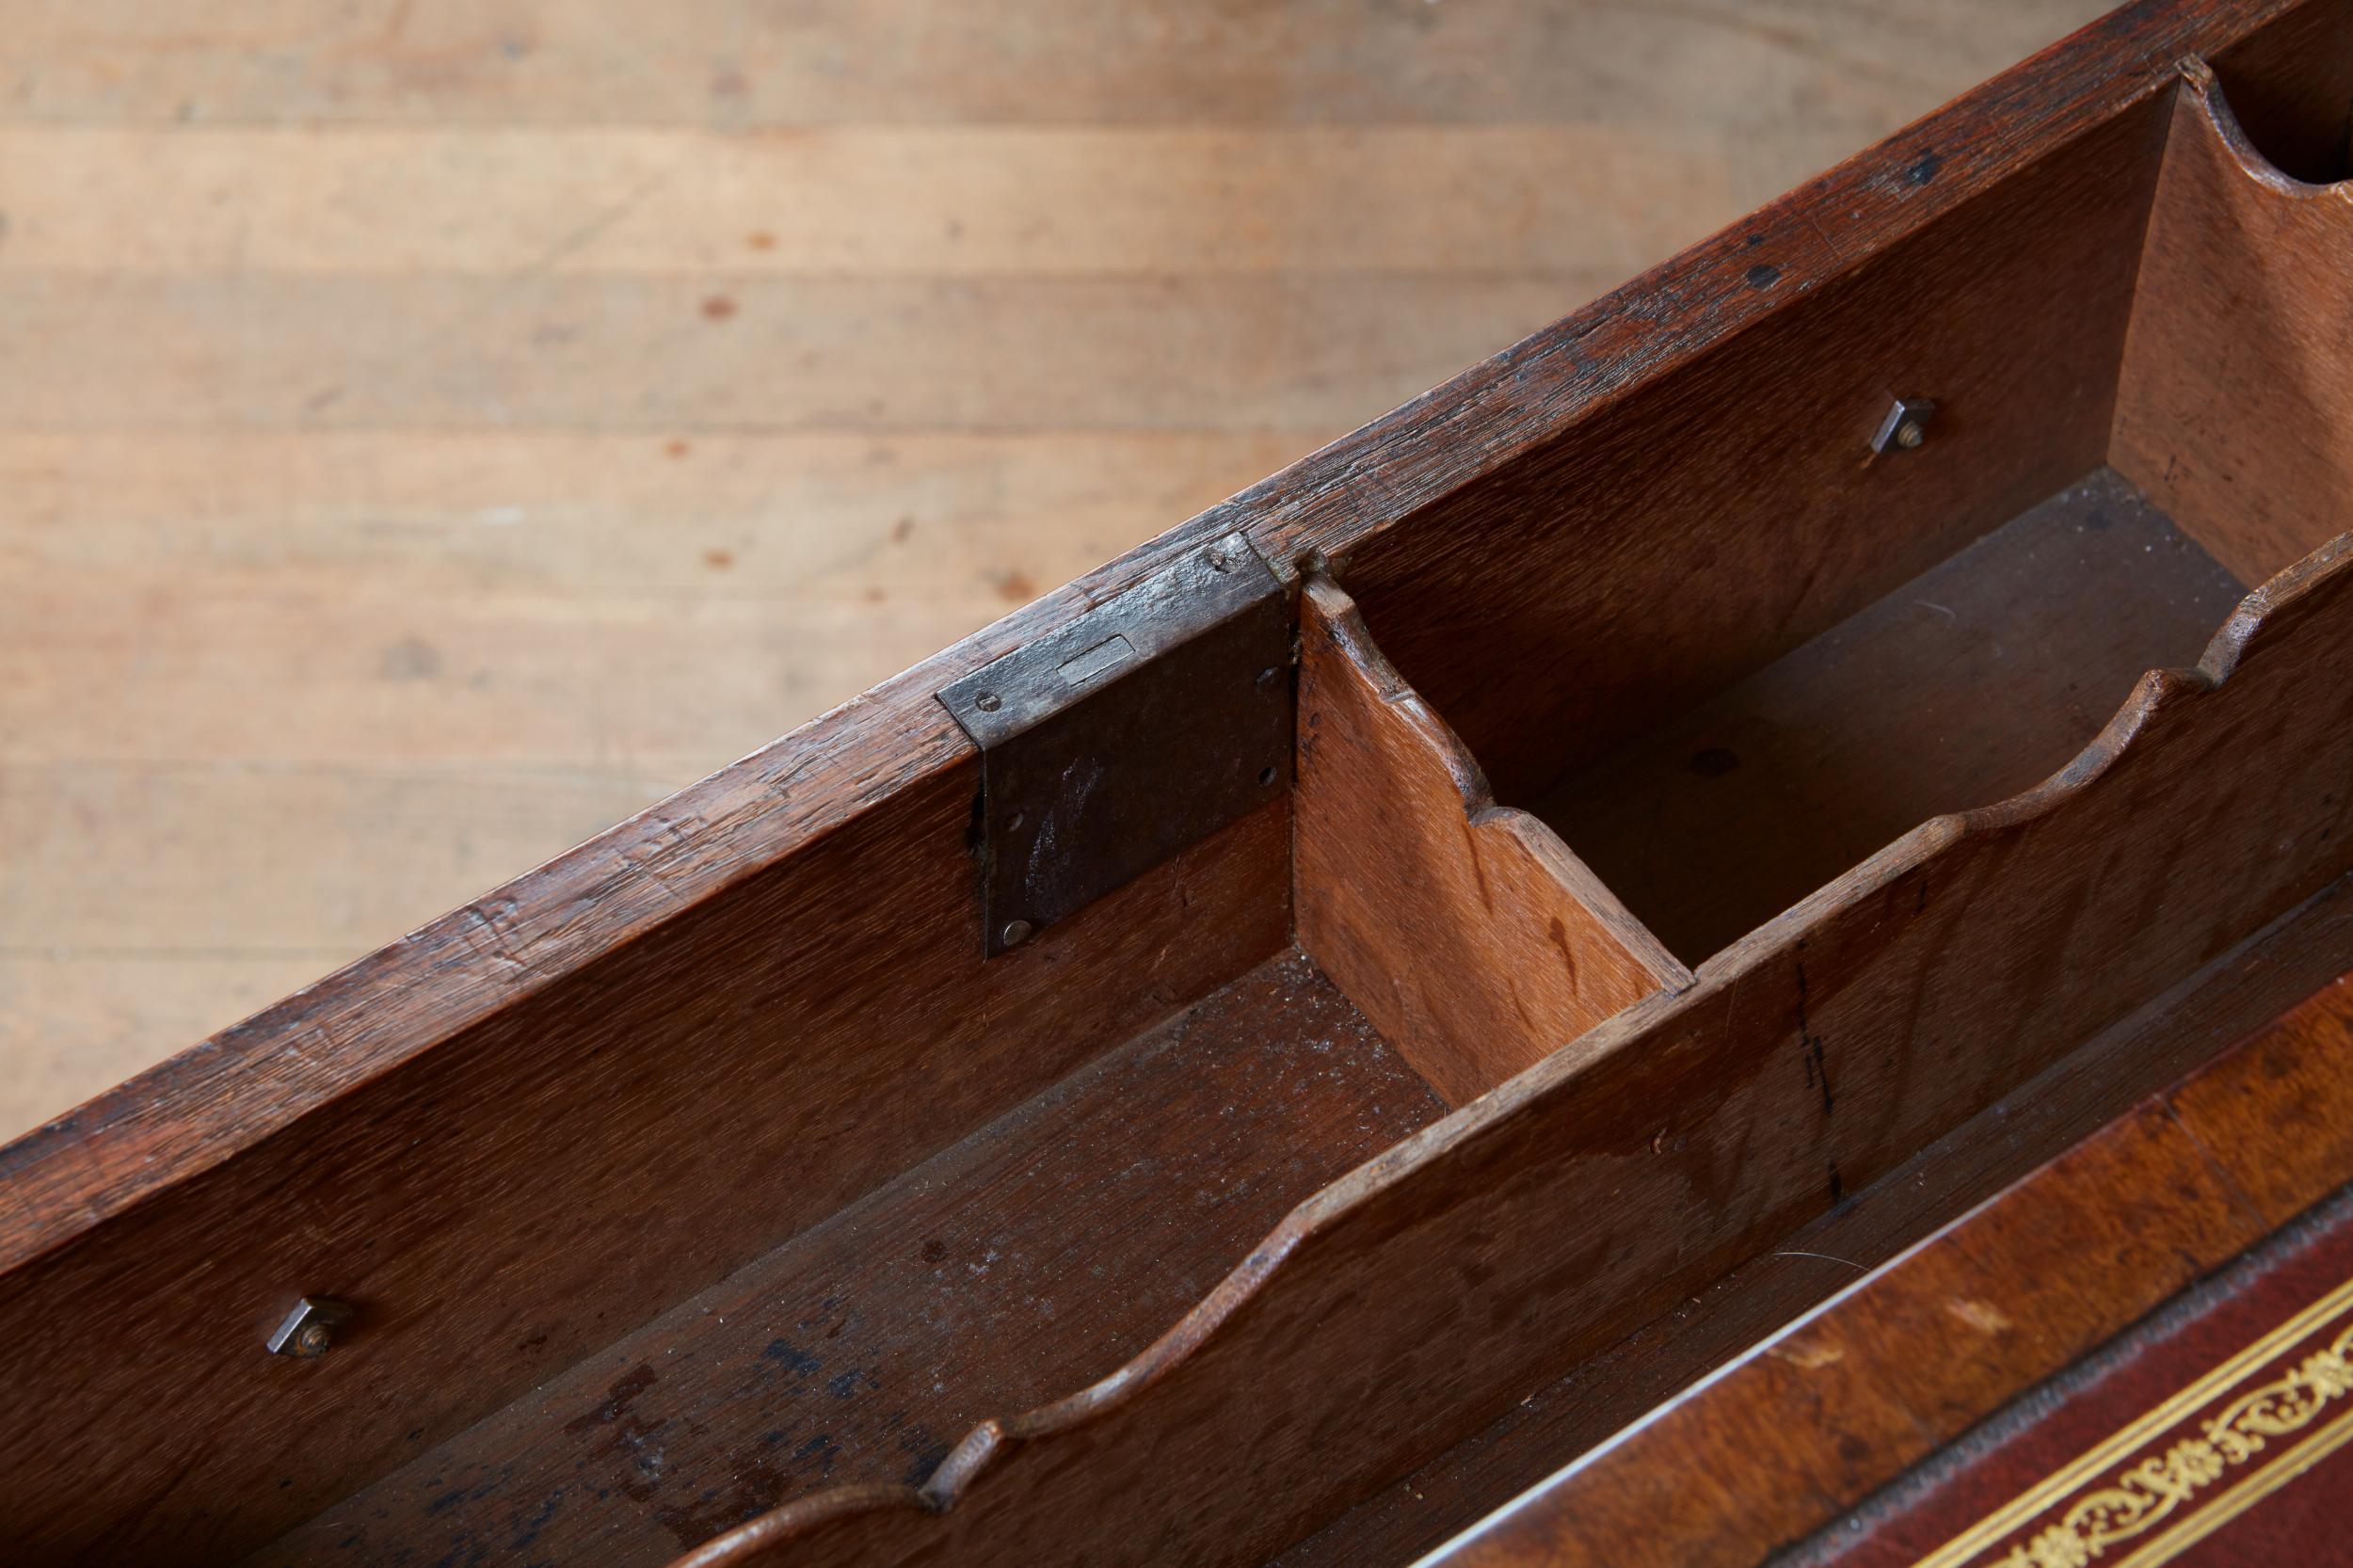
(1137, 729)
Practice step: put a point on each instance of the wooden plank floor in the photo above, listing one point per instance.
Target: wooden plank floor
(430, 431)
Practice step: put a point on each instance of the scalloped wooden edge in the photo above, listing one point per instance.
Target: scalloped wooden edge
(2224, 417)
(2215, 111)
(1474, 945)
(1479, 809)
(965, 1465)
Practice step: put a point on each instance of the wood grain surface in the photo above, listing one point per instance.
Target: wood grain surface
(604, 1139)
(1653, 569)
(1037, 1253)
(1468, 931)
(2237, 376)
(435, 431)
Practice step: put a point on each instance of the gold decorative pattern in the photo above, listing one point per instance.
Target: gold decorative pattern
(2138, 1490)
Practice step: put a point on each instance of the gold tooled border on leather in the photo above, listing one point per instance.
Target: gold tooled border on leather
(2189, 1464)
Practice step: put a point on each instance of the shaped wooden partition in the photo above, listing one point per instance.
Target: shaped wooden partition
(1472, 936)
(1402, 1307)
(2236, 395)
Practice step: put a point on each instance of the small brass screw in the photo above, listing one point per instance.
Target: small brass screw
(1909, 435)
(316, 1337)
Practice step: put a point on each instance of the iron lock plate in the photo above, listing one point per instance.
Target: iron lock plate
(1132, 732)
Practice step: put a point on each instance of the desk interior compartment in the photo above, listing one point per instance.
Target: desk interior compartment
(1741, 812)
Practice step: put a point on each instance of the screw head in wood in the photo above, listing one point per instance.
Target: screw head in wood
(1016, 932)
(1909, 434)
(988, 702)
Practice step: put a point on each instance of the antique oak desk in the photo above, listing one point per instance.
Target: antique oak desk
(1719, 938)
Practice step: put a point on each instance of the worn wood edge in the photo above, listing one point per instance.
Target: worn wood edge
(1358, 487)
(1421, 896)
(966, 1463)
(2214, 400)
(1585, 885)
(70, 1175)
(1346, 618)
(1347, 622)
(1703, 1529)
(2214, 119)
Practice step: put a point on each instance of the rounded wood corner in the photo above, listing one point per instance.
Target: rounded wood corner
(2210, 106)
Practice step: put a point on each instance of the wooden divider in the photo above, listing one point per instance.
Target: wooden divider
(1468, 932)
(2237, 387)
(1404, 1307)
